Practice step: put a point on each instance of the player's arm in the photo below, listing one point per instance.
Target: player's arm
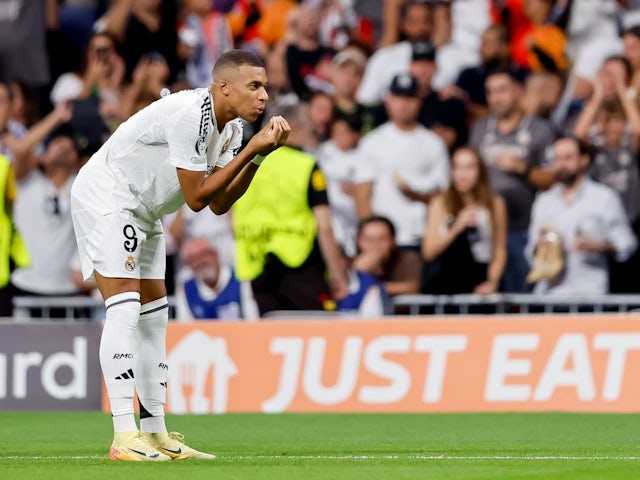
(225, 185)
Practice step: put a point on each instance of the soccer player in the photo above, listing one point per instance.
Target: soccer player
(182, 148)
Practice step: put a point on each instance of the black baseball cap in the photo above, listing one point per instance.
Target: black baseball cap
(423, 51)
(404, 85)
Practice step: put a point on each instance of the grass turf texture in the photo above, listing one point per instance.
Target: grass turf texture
(296, 446)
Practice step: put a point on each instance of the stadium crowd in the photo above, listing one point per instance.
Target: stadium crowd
(453, 146)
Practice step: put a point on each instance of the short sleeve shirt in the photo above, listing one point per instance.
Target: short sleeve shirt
(177, 131)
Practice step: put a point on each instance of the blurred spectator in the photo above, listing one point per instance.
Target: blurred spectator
(511, 14)
(387, 62)
(23, 51)
(394, 177)
(377, 21)
(631, 39)
(494, 55)
(203, 38)
(308, 61)
(146, 27)
(589, 219)
(346, 75)
(149, 79)
(593, 35)
(379, 255)
(612, 127)
(367, 296)
(42, 214)
(630, 13)
(101, 74)
(13, 250)
(458, 28)
(466, 239)
(338, 23)
(545, 42)
(11, 131)
(337, 158)
(185, 225)
(259, 24)
(212, 292)
(542, 92)
(446, 117)
(321, 113)
(24, 107)
(514, 145)
(284, 242)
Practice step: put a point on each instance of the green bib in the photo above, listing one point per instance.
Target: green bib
(12, 247)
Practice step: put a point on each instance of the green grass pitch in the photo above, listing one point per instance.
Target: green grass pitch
(55, 445)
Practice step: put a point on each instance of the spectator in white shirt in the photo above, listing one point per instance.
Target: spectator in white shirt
(401, 165)
(416, 25)
(589, 218)
(337, 158)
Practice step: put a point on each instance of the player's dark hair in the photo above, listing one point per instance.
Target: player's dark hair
(237, 58)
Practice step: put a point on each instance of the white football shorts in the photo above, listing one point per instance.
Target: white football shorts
(113, 241)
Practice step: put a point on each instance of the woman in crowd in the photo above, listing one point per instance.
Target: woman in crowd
(465, 241)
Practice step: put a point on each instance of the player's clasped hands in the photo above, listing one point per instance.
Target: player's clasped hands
(273, 135)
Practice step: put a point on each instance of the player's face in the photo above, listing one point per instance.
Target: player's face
(247, 92)
(465, 171)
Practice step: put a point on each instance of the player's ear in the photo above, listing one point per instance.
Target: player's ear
(225, 87)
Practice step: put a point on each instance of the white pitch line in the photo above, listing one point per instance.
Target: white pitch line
(360, 457)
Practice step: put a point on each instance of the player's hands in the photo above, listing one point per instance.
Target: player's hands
(272, 136)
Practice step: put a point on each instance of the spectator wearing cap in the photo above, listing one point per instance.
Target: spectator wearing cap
(514, 145)
(447, 117)
(416, 26)
(401, 165)
(346, 75)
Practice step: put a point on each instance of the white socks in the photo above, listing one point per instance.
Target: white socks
(151, 367)
(118, 356)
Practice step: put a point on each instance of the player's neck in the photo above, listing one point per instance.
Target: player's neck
(223, 113)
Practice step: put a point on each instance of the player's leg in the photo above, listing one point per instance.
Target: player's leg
(115, 259)
(152, 367)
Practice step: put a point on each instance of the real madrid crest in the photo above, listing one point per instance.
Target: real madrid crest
(201, 147)
(130, 264)
(225, 146)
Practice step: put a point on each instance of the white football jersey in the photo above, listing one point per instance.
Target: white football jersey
(177, 131)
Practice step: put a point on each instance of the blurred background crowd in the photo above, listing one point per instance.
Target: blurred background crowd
(460, 146)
